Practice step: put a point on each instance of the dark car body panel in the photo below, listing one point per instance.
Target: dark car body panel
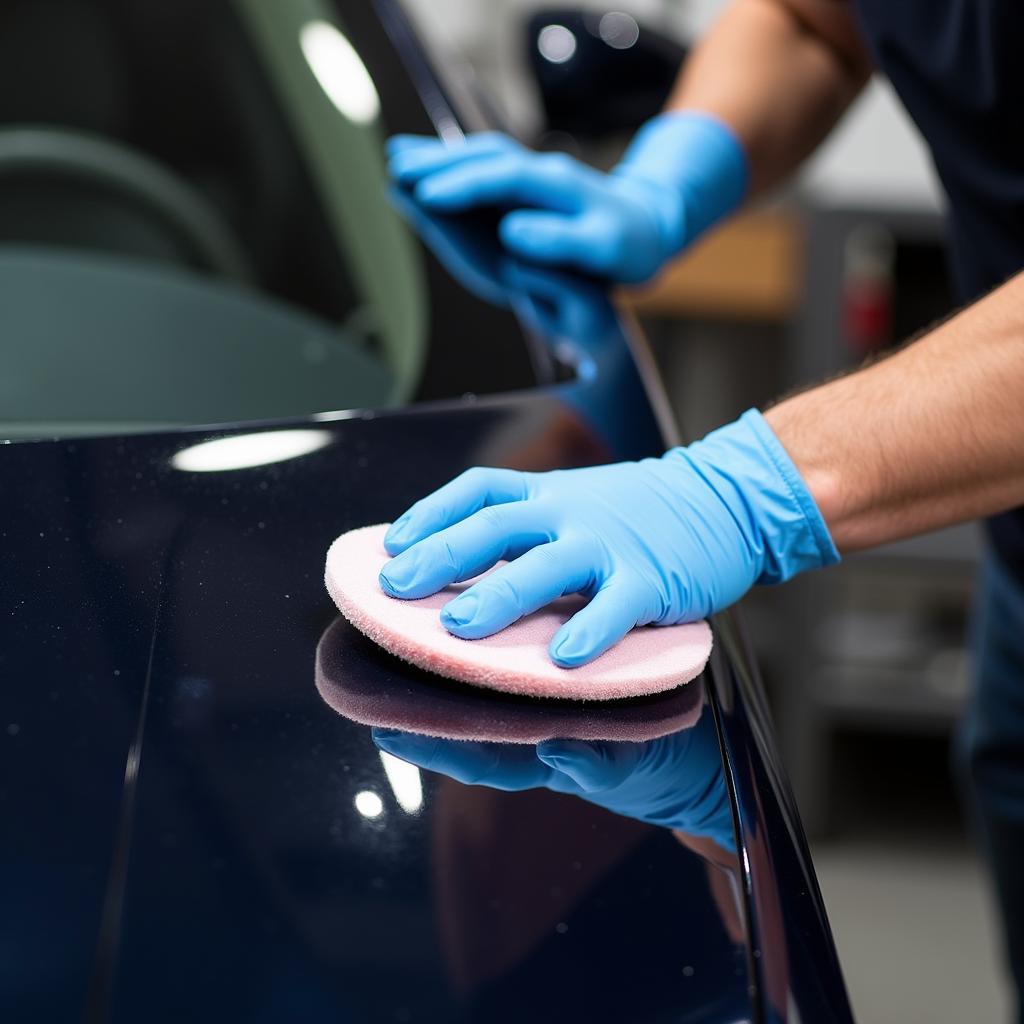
(178, 798)
(177, 832)
(181, 839)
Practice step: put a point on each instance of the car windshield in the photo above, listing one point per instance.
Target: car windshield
(195, 226)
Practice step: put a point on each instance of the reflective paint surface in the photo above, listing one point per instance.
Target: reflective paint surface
(187, 829)
(269, 861)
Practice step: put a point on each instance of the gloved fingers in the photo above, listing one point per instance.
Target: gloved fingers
(412, 157)
(410, 164)
(466, 549)
(469, 492)
(548, 181)
(587, 242)
(595, 767)
(562, 305)
(477, 268)
(614, 610)
(403, 141)
(534, 579)
(498, 765)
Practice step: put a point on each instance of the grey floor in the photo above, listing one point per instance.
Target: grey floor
(906, 892)
(915, 931)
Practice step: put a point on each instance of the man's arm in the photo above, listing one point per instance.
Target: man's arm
(755, 97)
(780, 74)
(931, 436)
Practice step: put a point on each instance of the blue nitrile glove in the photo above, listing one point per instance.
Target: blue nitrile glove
(659, 541)
(683, 172)
(676, 781)
(559, 305)
(467, 253)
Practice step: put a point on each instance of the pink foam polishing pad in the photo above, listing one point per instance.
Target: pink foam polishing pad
(648, 660)
(365, 684)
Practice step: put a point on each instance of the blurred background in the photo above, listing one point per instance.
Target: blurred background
(866, 664)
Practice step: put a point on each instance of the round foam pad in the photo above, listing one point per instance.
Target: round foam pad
(364, 683)
(647, 660)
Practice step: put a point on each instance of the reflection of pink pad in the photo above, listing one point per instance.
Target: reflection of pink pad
(648, 660)
(363, 683)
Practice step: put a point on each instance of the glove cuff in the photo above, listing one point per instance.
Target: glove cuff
(700, 160)
(753, 474)
(792, 546)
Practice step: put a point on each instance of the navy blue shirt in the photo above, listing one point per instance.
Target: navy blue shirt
(958, 66)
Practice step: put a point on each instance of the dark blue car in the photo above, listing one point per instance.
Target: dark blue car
(199, 266)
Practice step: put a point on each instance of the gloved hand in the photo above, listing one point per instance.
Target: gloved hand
(682, 172)
(553, 304)
(466, 250)
(659, 541)
(676, 781)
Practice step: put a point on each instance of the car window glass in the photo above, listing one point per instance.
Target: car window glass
(194, 226)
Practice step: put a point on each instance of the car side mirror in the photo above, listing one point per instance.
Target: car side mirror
(599, 73)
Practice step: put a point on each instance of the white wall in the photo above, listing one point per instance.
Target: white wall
(876, 157)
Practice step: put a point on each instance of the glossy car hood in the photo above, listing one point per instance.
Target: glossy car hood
(180, 832)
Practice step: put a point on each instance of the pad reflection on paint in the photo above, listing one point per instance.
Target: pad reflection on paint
(655, 759)
(365, 684)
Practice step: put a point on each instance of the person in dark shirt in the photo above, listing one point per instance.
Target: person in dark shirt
(930, 436)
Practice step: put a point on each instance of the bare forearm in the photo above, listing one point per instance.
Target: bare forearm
(931, 436)
(780, 73)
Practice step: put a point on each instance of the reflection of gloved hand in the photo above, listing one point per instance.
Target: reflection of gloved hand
(675, 781)
(558, 305)
(682, 173)
(659, 541)
(468, 251)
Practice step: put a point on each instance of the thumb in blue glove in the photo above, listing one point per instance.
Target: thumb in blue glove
(658, 541)
(675, 781)
(683, 172)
